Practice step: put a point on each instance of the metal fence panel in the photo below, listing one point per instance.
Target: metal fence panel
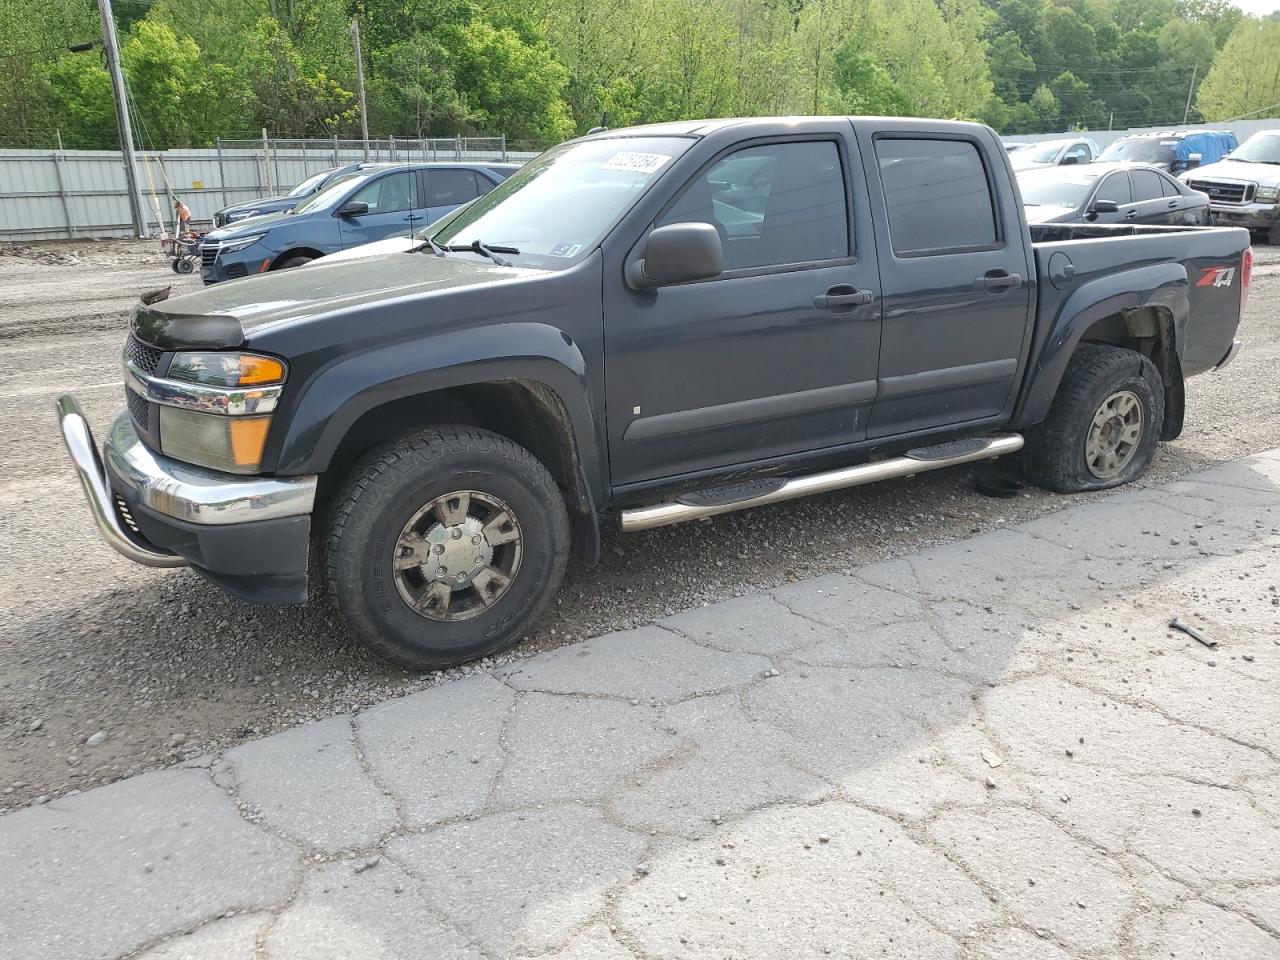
(47, 194)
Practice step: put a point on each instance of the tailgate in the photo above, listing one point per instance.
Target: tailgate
(1219, 288)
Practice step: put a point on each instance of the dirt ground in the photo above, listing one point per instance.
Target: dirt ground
(166, 666)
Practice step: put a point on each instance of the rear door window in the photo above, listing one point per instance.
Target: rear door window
(450, 187)
(1170, 188)
(938, 195)
(1146, 185)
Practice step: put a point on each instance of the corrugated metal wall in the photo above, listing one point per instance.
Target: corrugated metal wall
(81, 193)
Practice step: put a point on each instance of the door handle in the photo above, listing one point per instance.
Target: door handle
(413, 216)
(997, 280)
(1131, 215)
(843, 295)
(1173, 204)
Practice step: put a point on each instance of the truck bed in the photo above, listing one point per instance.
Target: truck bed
(1126, 263)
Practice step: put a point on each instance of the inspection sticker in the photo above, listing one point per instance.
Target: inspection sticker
(636, 162)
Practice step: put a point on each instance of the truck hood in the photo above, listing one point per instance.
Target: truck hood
(1267, 174)
(222, 316)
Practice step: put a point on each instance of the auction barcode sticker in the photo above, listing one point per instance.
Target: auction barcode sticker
(636, 162)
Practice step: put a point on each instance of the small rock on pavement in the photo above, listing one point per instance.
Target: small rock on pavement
(992, 758)
(369, 864)
(97, 739)
(35, 725)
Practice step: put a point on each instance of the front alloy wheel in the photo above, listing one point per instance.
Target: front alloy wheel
(458, 555)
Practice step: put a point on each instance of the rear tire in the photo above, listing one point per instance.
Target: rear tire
(445, 545)
(1103, 425)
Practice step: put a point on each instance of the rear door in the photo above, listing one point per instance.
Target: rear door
(954, 272)
(393, 208)
(778, 354)
(1149, 201)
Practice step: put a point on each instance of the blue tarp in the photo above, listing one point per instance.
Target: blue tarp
(1212, 145)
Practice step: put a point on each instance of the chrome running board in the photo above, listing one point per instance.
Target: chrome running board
(914, 461)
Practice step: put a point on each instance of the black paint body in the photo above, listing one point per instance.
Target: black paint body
(737, 375)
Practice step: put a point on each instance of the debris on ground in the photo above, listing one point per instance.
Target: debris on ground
(1191, 631)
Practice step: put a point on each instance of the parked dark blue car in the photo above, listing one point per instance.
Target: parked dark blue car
(362, 206)
(264, 205)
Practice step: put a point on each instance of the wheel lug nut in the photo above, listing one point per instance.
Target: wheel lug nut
(438, 549)
(462, 577)
(479, 562)
(457, 534)
(441, 571)
(476, 539)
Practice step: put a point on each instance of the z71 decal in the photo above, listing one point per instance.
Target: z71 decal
(1217, 277)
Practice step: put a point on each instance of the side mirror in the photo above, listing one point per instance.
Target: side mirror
(678, 253)
(1068, 161)
(1194, 161)
(1105, 206)
(353, 208)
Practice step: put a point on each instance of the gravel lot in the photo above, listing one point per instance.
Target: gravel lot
(166, 666)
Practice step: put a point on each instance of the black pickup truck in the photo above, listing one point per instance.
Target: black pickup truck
(654, 324)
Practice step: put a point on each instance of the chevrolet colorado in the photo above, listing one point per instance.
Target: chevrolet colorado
(653, 324)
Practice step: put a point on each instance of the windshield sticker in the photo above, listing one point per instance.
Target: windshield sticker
(636, 162)
(565, 248)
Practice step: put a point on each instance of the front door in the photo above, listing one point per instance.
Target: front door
(954, 268)
(776, 355)
(394, 207)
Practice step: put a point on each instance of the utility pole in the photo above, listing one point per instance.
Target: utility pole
(364, 107)
(111, 45)
(1190, 89)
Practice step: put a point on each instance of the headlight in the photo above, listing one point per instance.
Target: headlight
(221, 420)
(1267, 194)
(231, 246)
(227, 369)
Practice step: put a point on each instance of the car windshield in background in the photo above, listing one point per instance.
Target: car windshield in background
(1260, 148)
(309, 184)
(1141, 151)
(1050, 189)
(327, 196)
(558, 205)
(1044, 153)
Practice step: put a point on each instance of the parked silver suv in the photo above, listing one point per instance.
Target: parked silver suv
(1244, 188)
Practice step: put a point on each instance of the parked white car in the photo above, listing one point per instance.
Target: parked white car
(1050, 153)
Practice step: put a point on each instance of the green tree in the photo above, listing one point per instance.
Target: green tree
(1246, 74)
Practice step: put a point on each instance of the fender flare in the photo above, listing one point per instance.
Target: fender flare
(334, 398)
(1164, 286)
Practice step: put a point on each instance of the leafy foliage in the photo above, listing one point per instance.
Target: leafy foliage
(542, 70)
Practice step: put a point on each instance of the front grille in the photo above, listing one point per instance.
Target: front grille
(139, 410)
(1222, 192)
(208, 254)
(145, 358)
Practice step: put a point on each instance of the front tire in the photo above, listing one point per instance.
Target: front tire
(445, 545)
(297, 261)
(1103, 425)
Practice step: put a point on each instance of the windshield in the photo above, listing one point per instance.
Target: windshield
(310, 184)
(1144, 151)
(1044, 152)
(331, 193)
(1260, 148)
(557, 206)
(1049, 188)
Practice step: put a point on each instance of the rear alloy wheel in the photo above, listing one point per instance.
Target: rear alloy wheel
(446, 545)
(1103, 425)
(1114, 434)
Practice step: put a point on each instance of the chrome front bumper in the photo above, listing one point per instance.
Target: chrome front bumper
(1255, 216)
(175, 490)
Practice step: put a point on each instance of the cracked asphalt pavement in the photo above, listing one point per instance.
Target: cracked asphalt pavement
(167, 667)
(993, 749)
